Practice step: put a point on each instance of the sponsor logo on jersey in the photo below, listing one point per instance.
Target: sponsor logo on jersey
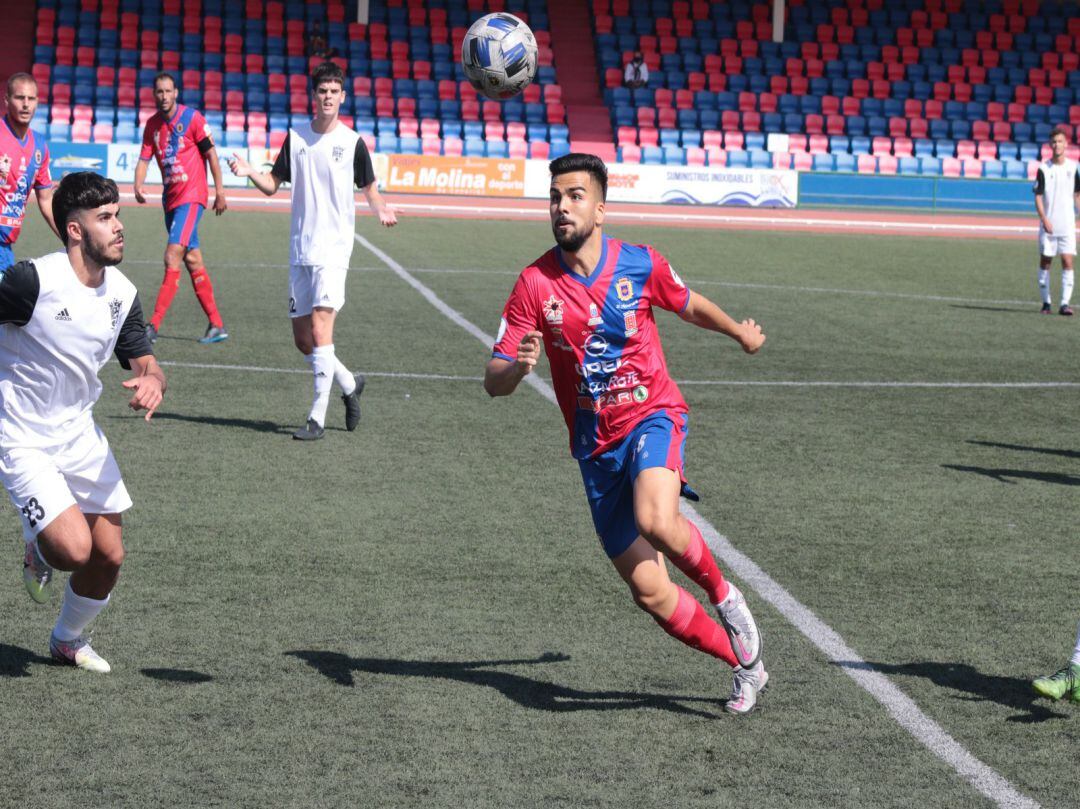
(63, 315)
(553, 310)
(641, 393)
(338, 153)
(595, 345)
(630, 323)
(624, 288)
(594, 315)
(115, 305)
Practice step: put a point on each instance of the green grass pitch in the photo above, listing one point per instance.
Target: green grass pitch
(419, 615)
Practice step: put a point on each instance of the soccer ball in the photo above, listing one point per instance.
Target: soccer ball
(499, 55)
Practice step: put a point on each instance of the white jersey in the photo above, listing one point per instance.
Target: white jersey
(323, 170)
(55, 335)
(1057, 184)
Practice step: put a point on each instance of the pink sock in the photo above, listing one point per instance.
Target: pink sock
(695, 627)
(700, 567)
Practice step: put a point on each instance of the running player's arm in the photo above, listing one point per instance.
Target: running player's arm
(205, 145)
(19, 288)
(1040, 206)
(1076, 189)
(704, 313)
(364, 177)
(518, 344)
(43, 191)
(135, 354)
(667, 290)
(266, 181)
(143, 164)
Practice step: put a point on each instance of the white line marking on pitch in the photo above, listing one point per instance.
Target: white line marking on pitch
(732, 383)
(900, 706)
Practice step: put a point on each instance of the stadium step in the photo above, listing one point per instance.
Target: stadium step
(17, 38)
(575, 54)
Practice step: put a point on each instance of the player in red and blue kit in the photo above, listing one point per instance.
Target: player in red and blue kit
(179, 138)
(590, 301)
(24, 165)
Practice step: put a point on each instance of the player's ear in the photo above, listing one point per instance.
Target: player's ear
(600, 207)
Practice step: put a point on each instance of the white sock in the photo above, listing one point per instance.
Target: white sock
(322, 366)
(1066, 286)
(1076, 652)
(1044, 285)
(76, 613)
(344, 377)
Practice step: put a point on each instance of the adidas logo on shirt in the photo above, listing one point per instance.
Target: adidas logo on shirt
(63, 314)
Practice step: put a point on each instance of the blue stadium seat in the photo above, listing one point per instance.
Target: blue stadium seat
(860, 144)
(794, 123)
(690, 137)
(652, 155)
(929, 165)
(908, 165)
(1023, 132)
(944, 147)
(709, 119)
(824, 162)
(924, 147)
(754, 140)
(960, 130)
(669, 137)
(760, 159)
(558, 132)
(1015, 169)
(474, 148)
(845, 162)
(497, 148)
(993, 168)
(558, 148)
(674, 156)
(738, 159)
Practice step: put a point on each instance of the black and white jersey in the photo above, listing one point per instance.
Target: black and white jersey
(1058, 184)
(55, 335)
(324, 169)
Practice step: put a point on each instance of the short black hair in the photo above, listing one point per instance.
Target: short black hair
(327, 71)
(164, 75)
(15, 78)
(578, 161)
(81, 191)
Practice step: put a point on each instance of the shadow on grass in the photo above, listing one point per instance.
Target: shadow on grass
(1009, 309)
(527, 692)
(258, 425)
(15, 661)
(1064, 453)
(1003, 475)
(1012, 692)
(184, 676)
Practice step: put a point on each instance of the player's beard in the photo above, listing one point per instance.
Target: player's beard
(574, 240)
(107, 254)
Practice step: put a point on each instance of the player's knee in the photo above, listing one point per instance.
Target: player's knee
(174, 256)
(656, 526)
(67, 553)
(110, 559)
(652, 599)
(192, 260)
(304, 343)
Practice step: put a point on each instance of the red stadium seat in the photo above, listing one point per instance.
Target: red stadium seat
(712, 138)
(972, 168)
(866, 164)
(430, 146)
(986, 150)
(803, 161)
(452, 147)
(695, 156)
(408, 127)
(663, 97)
(734, 141)
(716, 156)
(880, 146)
(667, 118)
(814, 124)
(887, 164)
(648, 136)
(818, 144)
(630, 154)
(518, 150)
(903, 147)
(539, 150)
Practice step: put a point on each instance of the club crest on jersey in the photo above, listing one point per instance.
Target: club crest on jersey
(37, 155)
(179, 127)
(594, 315)
(115, 305)
(553, 310)
(338, 153)
(630, 323)
(624, 288)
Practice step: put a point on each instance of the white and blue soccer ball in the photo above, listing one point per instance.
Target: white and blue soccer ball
(499, 55)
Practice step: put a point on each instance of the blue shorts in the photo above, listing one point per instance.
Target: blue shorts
(657, 441)
(7, 256)
(182, 222)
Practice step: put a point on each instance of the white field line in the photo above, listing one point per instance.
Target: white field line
(539, 211)
(729, 383)
(901, 707)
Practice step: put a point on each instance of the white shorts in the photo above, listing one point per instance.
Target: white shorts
(1058, 244)
(312, 285)
(43, 482)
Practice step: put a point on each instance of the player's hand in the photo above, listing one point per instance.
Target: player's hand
(528, 353)
(1046, 227)
(149, 393)
(388, 216)
(220, 204)
(139, 197)
(239, 166)
(751, 337)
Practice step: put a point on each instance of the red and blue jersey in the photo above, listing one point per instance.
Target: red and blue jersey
(607, 364)
(29, 170)
(179, 143)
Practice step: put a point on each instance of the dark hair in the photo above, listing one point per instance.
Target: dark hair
(162, 76)
(327, 71)
(15, 78)
(1058, 130)
(577, 161)
(81, 191)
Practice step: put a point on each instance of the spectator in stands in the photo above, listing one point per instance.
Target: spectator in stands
(636, 73)
(24, 164)
(1057, 194)
(317, 44)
